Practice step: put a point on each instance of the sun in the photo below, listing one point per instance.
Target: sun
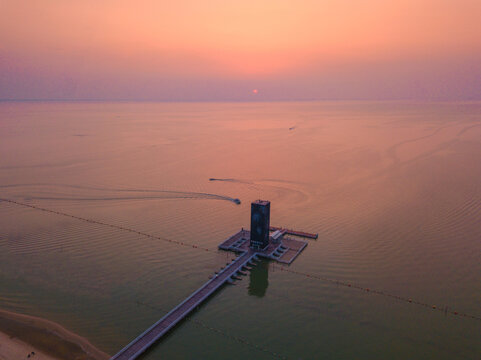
(255, 91)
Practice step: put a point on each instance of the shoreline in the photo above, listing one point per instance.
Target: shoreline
(13, 348)
(22, 334)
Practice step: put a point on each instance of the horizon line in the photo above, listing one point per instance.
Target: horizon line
(244, 100)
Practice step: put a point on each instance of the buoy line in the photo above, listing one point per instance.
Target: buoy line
(445, 309)
(202, 324)
(107, 224)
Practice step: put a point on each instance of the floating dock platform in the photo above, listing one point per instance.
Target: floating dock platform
(285, 250)
(294, 232)
(279, 247)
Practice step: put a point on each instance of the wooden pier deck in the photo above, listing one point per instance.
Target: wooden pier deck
(294, 232)
(156, 331)
(284, 251)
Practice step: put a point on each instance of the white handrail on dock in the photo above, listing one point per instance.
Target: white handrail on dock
(157, 330)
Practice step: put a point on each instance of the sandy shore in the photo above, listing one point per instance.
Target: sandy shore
(20, 335)
(12, 348)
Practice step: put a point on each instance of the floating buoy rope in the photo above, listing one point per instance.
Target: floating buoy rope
(445, 309)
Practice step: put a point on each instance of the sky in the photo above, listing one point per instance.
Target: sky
(221, 50)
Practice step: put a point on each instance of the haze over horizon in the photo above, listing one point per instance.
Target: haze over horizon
(240, 50)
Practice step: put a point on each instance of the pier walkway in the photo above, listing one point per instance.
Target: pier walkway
(156, 331)
(294, 232)
(283, 250)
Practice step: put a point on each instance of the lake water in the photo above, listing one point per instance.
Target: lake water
(392, 188)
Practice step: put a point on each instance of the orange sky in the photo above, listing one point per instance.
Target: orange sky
(162, 47)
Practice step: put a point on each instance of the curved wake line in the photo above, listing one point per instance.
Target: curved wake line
(262, 183)
(392, 151)
(247, 181)
(197, 196)
(232, 180)
(467, 129)
(174, 194)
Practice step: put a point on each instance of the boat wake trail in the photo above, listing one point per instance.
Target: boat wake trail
(52, 192)
(294, 188)
(233, 180)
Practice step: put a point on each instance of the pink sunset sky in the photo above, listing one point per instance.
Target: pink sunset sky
(223, 50)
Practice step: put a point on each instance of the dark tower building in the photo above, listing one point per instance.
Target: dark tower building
(260, 218)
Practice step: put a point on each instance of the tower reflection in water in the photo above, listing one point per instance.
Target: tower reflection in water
(258, 279)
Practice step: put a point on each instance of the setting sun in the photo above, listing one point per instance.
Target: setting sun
(321, 155)
(187, 49)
